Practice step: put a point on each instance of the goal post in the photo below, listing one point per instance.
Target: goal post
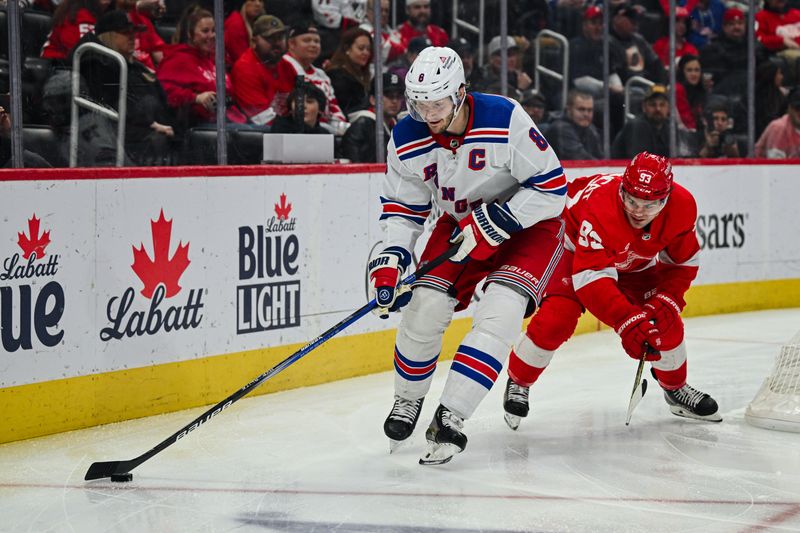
(776, 405)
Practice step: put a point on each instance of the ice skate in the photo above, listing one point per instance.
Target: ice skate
(445, 438)
(692, 403)
(402, 420)
(515, 403)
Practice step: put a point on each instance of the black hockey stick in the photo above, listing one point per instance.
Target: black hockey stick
(120, 470)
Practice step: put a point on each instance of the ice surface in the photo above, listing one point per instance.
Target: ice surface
(316, 460)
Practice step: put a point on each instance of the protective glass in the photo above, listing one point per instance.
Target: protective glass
(431, 111)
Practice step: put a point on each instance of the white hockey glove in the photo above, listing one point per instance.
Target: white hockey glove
(483, 231)
(384, 275)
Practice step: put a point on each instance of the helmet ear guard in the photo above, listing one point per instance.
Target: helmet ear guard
(648, 177)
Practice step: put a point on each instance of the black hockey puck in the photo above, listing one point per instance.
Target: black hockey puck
(122, 478)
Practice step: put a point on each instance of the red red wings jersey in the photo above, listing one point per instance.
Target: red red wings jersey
(605, 244)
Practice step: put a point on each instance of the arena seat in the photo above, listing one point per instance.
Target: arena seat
(246, 147)
(200, 146)
(36, 27)
(42, 140)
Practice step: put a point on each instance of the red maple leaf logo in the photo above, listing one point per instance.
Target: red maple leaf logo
(283, 209)
(33, 244)
(161, 269)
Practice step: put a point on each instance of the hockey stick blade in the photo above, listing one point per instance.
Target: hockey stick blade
(104, 469)
(639, 387)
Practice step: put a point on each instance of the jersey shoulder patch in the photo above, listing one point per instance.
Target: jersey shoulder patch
(491, 111)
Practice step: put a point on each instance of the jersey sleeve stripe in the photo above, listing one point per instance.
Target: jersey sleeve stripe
(417, 153)
(693, 261)
(585, 277)
(415, 213)
(433, 282)
(414, 145)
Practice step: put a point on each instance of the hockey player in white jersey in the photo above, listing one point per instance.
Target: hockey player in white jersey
(501, 188)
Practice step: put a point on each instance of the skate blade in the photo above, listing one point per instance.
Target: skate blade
(395, 445)
(513, 421)
(439, 454)
(715, 417)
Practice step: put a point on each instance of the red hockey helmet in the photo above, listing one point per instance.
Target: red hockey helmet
(648, 177)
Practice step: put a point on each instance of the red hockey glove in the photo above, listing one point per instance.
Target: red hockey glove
(384, 275)
(483, 231)
(667, 314)
(637, 334)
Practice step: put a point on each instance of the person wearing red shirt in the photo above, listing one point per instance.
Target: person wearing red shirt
(778, 29)
(631, 255)
(72, 20)
(259, 76)
(188, 72)
(391, 44)
(418, 25)
(239, 29)
(682, 46)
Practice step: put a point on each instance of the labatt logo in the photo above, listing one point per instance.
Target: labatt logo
(161, 276)
(30, 308)
(269, 251)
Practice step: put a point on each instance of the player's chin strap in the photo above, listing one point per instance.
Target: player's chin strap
(458, 103)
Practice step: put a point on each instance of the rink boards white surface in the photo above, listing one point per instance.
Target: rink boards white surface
(315, 458)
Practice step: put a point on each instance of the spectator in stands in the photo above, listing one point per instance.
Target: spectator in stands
(586, 57)
(518, 79)
(349, 70)
(358, 144)
(304, 49)
(391, 45)
(725, 57)
(719, 139)
(338, 14)
(29, 159)
(72, 20)
(188, 72)
(706, 22)
(781, 138)
(769, 98)
(239, 29)
(401, 65)
(648, 132)
(682, 46)
(314, 102)
(535, 104)
(691, 90)
(467, 54)
(573, 136)
(148, 126)
(417, 24)
(261, 80)
(640, 59)
(586, 66)
(778, 29)
(149, 44)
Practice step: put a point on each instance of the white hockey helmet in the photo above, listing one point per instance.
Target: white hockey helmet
(436, 73)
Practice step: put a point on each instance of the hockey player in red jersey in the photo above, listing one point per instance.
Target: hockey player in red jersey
(631, 255)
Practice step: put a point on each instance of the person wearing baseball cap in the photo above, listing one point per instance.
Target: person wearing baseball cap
(148, 124)
(647, 132)
(418, 24)
(682, 46)
(489, 78)
(239, 28)
(641, 59)
(259, 74)
(725, 56)
(358, 143)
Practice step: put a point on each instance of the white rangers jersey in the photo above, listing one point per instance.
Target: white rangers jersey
(501, 157)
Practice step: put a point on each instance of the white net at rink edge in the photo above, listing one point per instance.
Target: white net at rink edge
(777, 403)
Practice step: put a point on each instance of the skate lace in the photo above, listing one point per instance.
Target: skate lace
(449, 420)
(405, 409)
(689, 396)
(517, 393)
